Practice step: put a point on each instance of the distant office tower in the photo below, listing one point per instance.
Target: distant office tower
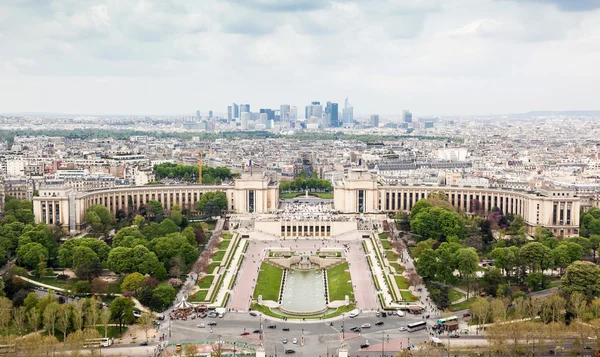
(375, 121)
(229, 113)
(284, 112)
(236, 111)
(332, 115)
(244, 108)
(210, 114)
(293, 113)
(198, 114)
(264, 117)
(270, 113)
(428, 124)
(313, 110)
(245, 116)
(406, 116)
(348, 113)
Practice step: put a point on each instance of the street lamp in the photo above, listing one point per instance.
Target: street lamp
(382, 341)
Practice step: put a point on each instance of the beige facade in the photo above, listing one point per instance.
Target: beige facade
(247, 194)
(557, 210)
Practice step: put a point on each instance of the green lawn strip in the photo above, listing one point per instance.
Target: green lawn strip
(232, 251)
(324, 195)
(246, 245)
(218, 256)
(208, 226)
(407, 295)
(391, 256)
(382, 236)
(232, 281)
(268, 282)
(338, 279)
(212, 266)
(364, 244)
(227, 236)
(401, 282)
(463, 305)
(216, 287)
(50, 281)
(382, 301)
(113, 331)
(455, 295)
(378, 253)
(391, 287)
(386, 244)
(397, 267)
(225, 300)
(206, 281)
(224, 244)
(114, 288)
(267, 311)
(199, 296)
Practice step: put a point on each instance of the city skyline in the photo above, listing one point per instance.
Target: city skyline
(165, 58)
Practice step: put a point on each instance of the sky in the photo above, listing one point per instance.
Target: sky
(434, 57)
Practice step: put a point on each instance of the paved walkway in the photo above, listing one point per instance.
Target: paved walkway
(464, 298)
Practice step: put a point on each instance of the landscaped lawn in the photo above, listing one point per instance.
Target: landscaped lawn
(268, 282)
(224, 244)
(463, 305)
(198, 296)
(401, 282)
(206, 281)
(391, 256)
(113, 331)
(227, 236)
(208, 225)
(339, 282)
(454, 295)
(386, 244)
(218, 256)
(399, 268)
(324, 195)
(212, 266)
(407, 295)
(382, 236)
(50, 281)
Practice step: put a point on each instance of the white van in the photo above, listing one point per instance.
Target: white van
(220, 311)
(400, 313)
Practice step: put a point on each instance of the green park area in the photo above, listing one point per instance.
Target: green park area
(206, 281)
(268, 282)
(455, 295)
(340, 283)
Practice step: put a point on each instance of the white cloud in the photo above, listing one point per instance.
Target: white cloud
(167, 56)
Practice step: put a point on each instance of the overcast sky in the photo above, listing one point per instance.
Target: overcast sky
(435, 57)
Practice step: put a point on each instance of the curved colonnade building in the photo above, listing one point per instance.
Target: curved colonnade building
(67, 207)
(555, 209)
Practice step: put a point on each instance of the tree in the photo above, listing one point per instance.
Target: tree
(583, 277)
(92, 313)
(64, 319)
(99, 286)
(33, 317)
(594, 244)
(219, 198)
(190, 350)
(86, 263)
(165, 293)
(419, 206)
(99, 218)
(121, 310)
(19, 315)
(467, 264)
(176, 214)
(146, 322)
(31, 254)
(139, 220)
(211, 209)
(577, 304)
(537, 256)
(50, 315)
(132, 282)
(105, 319)
(481, 310)
(78, 312)
(5, 312)
(137, 259)
(155, 208)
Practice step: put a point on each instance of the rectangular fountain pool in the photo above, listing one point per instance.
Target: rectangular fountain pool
(304, 292)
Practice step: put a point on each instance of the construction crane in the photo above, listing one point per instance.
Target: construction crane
(200, 157)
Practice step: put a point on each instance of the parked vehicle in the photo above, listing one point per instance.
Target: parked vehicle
(295, 341)
(284, 340)
(379, 323)
(252, 313)
(285, 329)
(289, 351)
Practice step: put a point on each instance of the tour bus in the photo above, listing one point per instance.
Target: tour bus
(416, 326)
(97, 342)
(446, 320)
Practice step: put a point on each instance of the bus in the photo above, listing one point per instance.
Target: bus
(416, 326)
(447, 319)
(97, 342)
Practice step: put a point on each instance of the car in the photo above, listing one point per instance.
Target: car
(284, 340)
(364, 345)
(144, 343)
(551, 352)
(272, 326)
(466, 314)
(252, 313)
(256, 331)
(454, 335)
(289, 351)
(200, 325)
(203, 315)
(402, 328)
(367, 325)
(212, 323)
(295, 341)
(355, 329)
(212, 314)
(286, 329)
(383, 314)
(587, 347)
(137, 314)
(245, 333)
(379, 323)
